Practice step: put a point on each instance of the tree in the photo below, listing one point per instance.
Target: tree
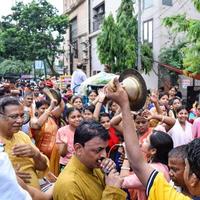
(146, 58)
(191, 27)
(15, 66)
(127, 34)
(33, 31)
(117, 42)
(106, 42)
(173, 55)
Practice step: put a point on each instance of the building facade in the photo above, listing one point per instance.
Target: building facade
(153, 13)
(97, 11)
(89, 15)
(76, 38)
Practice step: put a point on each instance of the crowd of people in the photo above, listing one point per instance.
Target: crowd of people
(73, 148)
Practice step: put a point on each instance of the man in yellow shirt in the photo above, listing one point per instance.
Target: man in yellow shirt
(156, 186)
(25, 157)
(82, 178)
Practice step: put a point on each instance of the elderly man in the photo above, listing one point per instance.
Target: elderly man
(82, 178)
(25, 157)
(157, 187)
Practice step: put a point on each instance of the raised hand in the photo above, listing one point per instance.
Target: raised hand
(154, 97)
(119, 95)
(147, 114)
(102, 94)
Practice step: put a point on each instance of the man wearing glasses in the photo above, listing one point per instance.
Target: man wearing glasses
(25, 157)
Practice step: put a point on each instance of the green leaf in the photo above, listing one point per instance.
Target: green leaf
(26, 34)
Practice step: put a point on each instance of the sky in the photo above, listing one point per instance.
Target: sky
(6, 5)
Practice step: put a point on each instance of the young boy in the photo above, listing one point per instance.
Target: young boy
(176, 163)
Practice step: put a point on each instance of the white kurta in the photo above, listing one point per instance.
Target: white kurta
(179, 135)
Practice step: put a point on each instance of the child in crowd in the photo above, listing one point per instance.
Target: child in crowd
(176, 163)
(88, 111)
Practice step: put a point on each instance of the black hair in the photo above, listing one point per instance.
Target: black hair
(161, 88)
(193, 156)
(171, 101)
(7, 101)
(91, 108)
(110, 103)
(181, 108)
(76, 97)
(104, 115)
(90, 91)
(40, 103)
(88, 130)
(178, 152)
(79, 66)
(70, 110)
(173, 87)
(163, 143)
(161, 94)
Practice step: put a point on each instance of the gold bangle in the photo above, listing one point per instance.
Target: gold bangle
(100, 101)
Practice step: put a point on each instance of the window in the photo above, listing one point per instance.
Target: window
(147, 3)
(148, 31)
(167, 2)
(98, 16)
(74, 37)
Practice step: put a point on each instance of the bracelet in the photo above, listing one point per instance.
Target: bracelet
(125, 168)
(100, 101)
(163, 118)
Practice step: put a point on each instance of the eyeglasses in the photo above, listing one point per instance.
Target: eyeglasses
(14, 116)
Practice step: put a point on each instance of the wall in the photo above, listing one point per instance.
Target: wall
(161, 36)
(81, 12)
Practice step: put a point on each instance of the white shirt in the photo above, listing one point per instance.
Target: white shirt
(179, 135)
(9, 187)
(78, 77)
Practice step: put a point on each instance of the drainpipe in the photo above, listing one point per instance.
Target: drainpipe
(89, 39)
(139, 63)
